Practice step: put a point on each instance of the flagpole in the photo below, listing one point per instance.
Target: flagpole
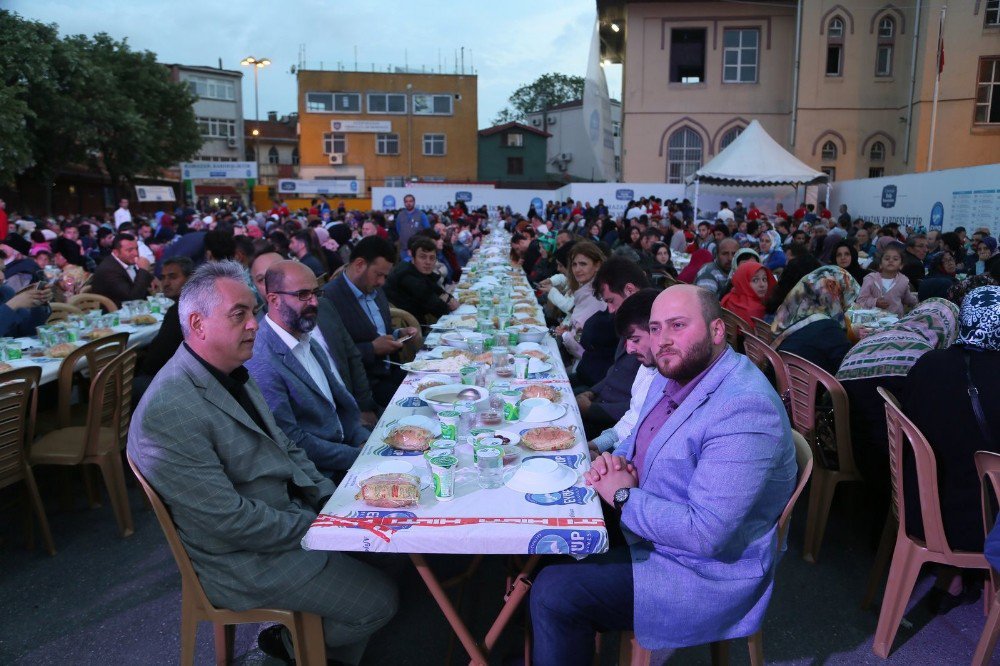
(937, 87)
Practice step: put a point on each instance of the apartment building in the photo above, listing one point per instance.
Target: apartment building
(218, 109)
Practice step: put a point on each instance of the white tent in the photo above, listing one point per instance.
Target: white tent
(754, 159)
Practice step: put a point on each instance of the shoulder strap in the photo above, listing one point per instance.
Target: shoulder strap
(977, 406)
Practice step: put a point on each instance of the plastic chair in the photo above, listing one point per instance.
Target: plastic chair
(61, 311)
(735, 328)
(804, 382)
(988, 465)
(763, 355)
(306, 628)
(100, 441)
(402, 319)
(91, 301)
(911, 553)
(762, 330)
(97, 354)
(18, 404)
(630, 652)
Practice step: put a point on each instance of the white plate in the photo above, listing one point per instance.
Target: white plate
(530, 346)
(541, 475)
(552, 411)
(393, 467)
(430, 365)
(534, 365)
(425, 422)
(465, 309)
(507, 434)
(460, 339)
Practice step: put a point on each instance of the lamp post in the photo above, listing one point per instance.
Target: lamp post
(257, 64)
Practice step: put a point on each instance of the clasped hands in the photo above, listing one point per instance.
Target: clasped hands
(608, 473)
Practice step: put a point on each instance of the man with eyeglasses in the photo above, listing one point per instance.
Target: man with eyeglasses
(300, 383)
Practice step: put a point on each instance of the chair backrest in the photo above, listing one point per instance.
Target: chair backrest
(735, 326)
(18, 405)
(763, 355)
(804, 463)
(189, 578)
(97, 353)
(402, 319)
(92, 301)
(899, 428)
(804, 381)
(988, 466)
(762, 330)
(111, 401)
(61, 311)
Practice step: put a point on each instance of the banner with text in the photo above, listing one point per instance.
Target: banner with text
(211, 170)
(291, 187)
(368, 126)
(154, 193)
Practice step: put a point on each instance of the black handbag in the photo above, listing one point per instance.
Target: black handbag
(977, 406)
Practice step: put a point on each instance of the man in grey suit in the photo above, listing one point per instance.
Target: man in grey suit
(241, 494)
(302, 387)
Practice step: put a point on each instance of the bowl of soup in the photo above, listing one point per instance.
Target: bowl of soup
(443, 398)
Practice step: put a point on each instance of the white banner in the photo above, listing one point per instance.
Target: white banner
(210, 170)
(597, 112)
(154, 193)
(291, 187)
(368, 126)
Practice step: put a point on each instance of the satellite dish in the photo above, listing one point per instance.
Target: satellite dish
(292, 70)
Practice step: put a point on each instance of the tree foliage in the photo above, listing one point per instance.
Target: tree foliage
(546, 91)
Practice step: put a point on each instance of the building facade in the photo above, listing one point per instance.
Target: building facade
(219, 110)
(511, 154)
(274, 145)
(569, 153)
(859, 105)
(384, 129)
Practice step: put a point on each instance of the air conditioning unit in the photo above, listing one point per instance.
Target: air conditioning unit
(565, 157)
(552, 120)
(231, 142)
(336, 158)
(536, 121)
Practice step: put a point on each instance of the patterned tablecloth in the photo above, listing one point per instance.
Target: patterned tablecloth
(499, 520)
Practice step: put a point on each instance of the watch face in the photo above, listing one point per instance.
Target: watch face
(621, 495)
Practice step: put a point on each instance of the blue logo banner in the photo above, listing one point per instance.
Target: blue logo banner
(888, 196)
(625, 195)
(937, 216)
(568, 542)
(388, 202)
(574, 495)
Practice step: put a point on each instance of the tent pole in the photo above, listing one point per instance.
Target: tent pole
(828, 195)
(697, 184)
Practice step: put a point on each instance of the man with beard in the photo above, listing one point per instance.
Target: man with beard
(699, 485)
(308, 398)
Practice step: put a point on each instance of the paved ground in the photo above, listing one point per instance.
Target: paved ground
(104, 600)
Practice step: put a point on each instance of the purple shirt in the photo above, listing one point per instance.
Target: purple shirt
(673, 395)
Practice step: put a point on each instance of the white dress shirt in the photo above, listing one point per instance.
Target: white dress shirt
(122, 215)
(318, 337)
(302, 351)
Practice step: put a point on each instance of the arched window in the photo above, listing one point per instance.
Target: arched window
(877, 152)
(251, 155)
(272, 156)
(684, 150)
(829, 152)
(886, 42)
(835, 47)
(295, 156)
(729, 137)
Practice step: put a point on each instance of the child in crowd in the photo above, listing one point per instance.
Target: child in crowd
(888, 289)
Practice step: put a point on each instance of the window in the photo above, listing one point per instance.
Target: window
(251, 155)
(387, 144)
(876, 172)
(320, 102)
(272, 156)
(992, 14)
(683, 154)
(334, 143)
(729, 137)
(295, 156)
(515, 166)
(988, 91)
(514, 140)
(386, 103)
(618, 164)
(432, 105)
(830, 172)
(886, 41)
(835, 47)
(220, 128)
(434, 144)
(395, 181)
(739, 55)
(203, 86)
(877, 152)
(687, 55)
(616, 128)
(829, 152)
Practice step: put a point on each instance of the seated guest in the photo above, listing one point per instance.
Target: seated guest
(304, 247)
(771, 254)
(22, 313)
(701, 567)
(413, 285)
(751, 284)
(699, 258)
(176, 272)
(357, 295)
(800, 263)
(632, 325)
(309, 400)
(241, 494)
(810, 323)
(913, 259)
(941, 269)
(19, 269)
(888, 288)
(714, 276)
(123, 276)
(845, 255)
(953, 396)
(585, 260)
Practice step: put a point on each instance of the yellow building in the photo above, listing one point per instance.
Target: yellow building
(859, 105)
(384, 129)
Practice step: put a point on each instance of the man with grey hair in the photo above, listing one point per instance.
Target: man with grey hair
(913, 259)
(241, 494)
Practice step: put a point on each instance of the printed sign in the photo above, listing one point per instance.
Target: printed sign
(366, 126)
(538, 205)
(291, 186)
(385, 514)
(625, 195)
(937, 217)
(574, 495)
(463, 196)
(888, 196)
(568, 542)
(155, 193)
(388, 202)
(206, 170)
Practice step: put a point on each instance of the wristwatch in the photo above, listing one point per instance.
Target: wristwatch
(621, 496)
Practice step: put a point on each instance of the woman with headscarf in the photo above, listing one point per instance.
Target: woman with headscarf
(846, 256)
(883, 359)
(940, 276)
(953, 396)
(986, 251)
(699, 258)
(772, 256)
(810, 323)
(796, 269)
(751, 282)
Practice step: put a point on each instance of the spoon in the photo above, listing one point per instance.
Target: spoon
(468, 394)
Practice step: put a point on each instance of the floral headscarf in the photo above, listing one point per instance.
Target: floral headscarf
(979, 327)
(826, 293)
(892, 352)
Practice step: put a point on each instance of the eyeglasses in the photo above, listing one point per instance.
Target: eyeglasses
(302, 294)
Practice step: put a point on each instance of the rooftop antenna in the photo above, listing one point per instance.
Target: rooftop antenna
(463, 60)
(439, 60)
(406, 60)
(355, 57)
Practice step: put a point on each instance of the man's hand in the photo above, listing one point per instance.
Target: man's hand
(142, 264)
(453, 304)
(594, 451)
(369, 419)
(608, 473)
(385, 345)
(30, 297)
(584, 400)
(409, 331)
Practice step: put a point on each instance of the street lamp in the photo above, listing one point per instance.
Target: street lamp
(257, 64)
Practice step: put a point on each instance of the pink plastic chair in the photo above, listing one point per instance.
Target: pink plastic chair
(805, 380)
(762, 355)
(762, 330)
(988, 464)
(735, 328)
(911, 553)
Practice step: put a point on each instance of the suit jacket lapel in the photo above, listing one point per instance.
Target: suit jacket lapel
(279, 348)
(216, 394)
(347, 297)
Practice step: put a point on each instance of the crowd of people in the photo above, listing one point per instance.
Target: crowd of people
(280, 353)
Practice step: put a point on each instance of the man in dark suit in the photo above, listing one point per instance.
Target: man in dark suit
(413, 285)
(356, 294)
(124, 276)
(176, 271)
(309, 400)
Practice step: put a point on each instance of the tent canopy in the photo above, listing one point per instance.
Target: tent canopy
(754, 159)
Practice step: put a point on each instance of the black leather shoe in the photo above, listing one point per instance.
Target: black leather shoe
(272, 644)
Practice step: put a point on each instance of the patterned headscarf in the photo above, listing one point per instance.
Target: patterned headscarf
(892, 352)
(980, 319)
(826, 293)
(742, 252)
(957, 292)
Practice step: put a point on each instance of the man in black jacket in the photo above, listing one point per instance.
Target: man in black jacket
(176, 271)
(413, 286)
(124, 276)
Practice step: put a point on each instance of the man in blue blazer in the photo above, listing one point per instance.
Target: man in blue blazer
(310, 402)
(700, 484)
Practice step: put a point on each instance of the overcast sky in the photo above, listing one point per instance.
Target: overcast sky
(508, 43)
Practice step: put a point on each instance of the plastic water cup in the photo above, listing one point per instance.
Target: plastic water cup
(443, 473)
(469, 374)
(12, 350)
(449, 424)
(511, 411)
(521, 366)
(489, 464)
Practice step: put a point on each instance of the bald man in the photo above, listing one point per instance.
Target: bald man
(714, 275)
(700, 484)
